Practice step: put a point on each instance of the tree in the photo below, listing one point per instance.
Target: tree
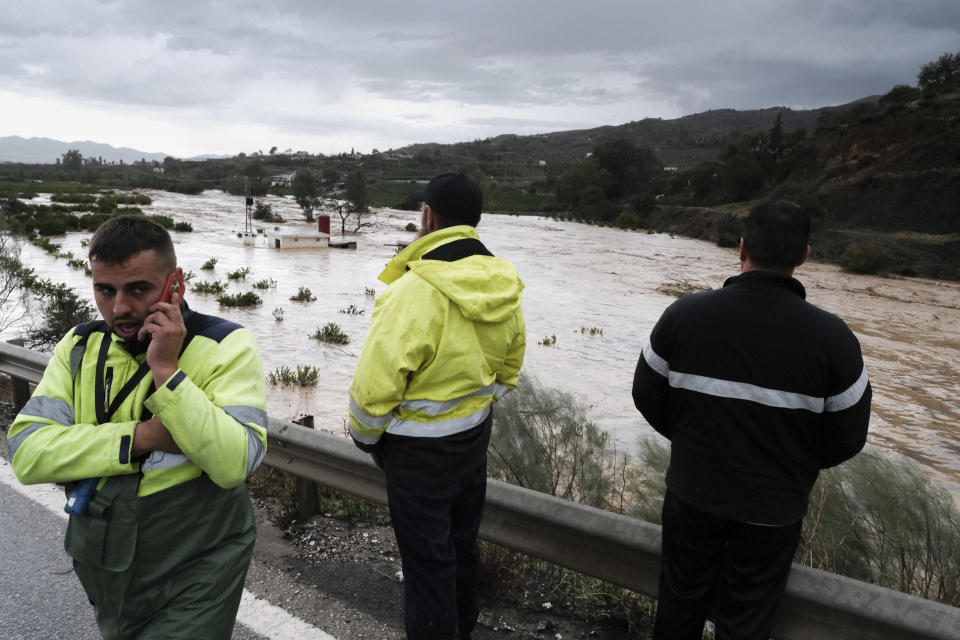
(13, 298)
(575, 181)
(943, 74)
(631, 166)
(329, 177)
(273, 150)
(62, 310)
(73, 159)
(346, 214)
(355, 187)
(305, 192)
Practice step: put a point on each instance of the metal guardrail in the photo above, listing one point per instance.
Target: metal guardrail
(623, 551)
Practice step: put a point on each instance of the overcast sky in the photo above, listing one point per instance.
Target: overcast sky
(195, 77)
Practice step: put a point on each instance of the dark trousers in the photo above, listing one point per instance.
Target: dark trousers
(741, 568)
(436, 529)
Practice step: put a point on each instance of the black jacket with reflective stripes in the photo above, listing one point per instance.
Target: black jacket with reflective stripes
(757, 391)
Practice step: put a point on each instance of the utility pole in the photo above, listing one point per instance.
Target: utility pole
(248, 223)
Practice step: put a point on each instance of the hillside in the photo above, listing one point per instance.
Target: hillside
(679, 142)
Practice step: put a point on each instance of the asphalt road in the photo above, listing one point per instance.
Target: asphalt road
(39, 595)
(41, 598)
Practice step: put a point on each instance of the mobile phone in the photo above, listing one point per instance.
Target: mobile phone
(173, 284)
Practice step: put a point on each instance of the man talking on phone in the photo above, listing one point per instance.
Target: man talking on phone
(153, 418)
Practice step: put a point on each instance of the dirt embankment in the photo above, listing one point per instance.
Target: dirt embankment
(907, 253)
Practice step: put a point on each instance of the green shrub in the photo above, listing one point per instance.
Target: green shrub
(205, 286)
(246, 299)
(880, 518)
(46, 244)
(542, 440)
(864, 258)
(61, 310)
(182, 226)
(74, 198)
(303, 376)
(267, 283)
(303, 295)
(239, 274)
(209, 264)
(728, 231)
(352, 310)
(629, 220)
(164, 221)
(331, 333)
(278, 314)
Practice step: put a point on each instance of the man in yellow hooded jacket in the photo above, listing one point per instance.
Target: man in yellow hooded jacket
(163, 410)
(446, 340)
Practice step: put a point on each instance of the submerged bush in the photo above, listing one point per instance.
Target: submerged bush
(302, 376)
(204, 286)
(239, 274)
(247, 299)
(331, 333)
(303, 295)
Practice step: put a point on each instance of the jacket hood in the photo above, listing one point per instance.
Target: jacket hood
(485, 288)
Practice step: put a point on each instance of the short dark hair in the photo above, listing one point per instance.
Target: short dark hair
(119, 239)
(776, 235)
(455, 198)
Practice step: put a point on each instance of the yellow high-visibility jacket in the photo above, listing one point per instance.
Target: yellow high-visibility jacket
(214, 407)
(446, 340)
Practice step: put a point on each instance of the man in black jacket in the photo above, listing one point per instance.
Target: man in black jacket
(757, 390)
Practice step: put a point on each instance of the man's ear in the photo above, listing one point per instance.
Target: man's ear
(743, 251)
(430, 218)
(806, 254)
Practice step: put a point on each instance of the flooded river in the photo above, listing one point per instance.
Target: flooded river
(577, 278)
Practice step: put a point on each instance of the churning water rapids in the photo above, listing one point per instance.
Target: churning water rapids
(577, 278)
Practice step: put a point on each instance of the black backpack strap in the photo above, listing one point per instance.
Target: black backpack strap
(457, 250)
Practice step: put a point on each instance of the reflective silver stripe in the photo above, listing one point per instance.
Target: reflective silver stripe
(656, 363)
(14, 442)
(255, 451)
(244, 414)
(850, 396)
(500, 390)
(362, 439)
(49, 408)
(746, 391)
(161, 460)
(373, 422)
(435, 408)
(437, 429)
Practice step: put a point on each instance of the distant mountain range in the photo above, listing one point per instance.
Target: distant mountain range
(48, 151)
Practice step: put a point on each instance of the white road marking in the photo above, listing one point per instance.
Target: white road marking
(255, 613)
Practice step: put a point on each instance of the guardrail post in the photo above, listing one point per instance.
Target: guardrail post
(306, 494)
(21, 387)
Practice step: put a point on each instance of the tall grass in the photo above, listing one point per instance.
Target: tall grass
(878, 517)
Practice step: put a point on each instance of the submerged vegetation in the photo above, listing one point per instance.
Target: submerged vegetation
(302, 376)
(246, 299)
(331, 333)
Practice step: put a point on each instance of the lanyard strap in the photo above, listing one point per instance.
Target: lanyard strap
(105, 411)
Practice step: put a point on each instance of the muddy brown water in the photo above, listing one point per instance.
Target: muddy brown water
(577, 278)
